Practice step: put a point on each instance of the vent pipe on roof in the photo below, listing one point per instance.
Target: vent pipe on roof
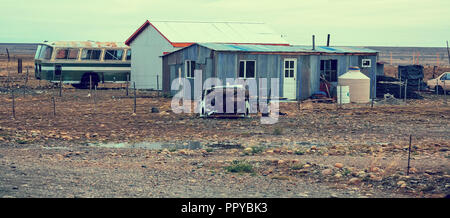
(314, 43)
(328, 40)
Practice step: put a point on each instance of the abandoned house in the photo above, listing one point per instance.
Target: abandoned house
(156, 38)
(298, 68)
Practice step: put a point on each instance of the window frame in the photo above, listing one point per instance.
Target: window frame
(68, 53)
(116, 59)
(289, 68)
(328, 70)
(189, 70)
(245, 69)
(364, 65)
(91, 49)
(126, 55)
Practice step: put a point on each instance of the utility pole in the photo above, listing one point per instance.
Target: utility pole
(448, 52)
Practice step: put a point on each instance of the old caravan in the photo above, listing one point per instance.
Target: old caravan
(83, 63)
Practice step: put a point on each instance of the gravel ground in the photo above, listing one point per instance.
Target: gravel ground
(83, 171)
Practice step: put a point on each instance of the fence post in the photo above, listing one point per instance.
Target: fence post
(13, 104)
(445, 93)
(95, 98)
(157, 84)
(134, 87)
(409, 154)
(406, 86)
(19, 65)
(90, 85)
(60, 85)
(128, 83)
(54, 105)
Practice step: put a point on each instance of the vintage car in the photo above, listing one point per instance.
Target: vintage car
(440, 83)
(214, 101)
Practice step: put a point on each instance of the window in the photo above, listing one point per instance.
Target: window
(189, 68)
(38, 51)
(366, 63)
(128, 54)
(67, 54)
(289, 68)
(46, 52)
(328, 69)
(90, 54)
(113, 55)
(445, 76)
(247, 69)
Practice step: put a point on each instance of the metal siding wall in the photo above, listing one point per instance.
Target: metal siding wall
(315, 74)
(226, 65)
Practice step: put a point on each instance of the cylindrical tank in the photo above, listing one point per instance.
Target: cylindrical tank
(358, 83)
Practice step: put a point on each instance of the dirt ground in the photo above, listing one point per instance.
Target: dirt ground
(315, 150)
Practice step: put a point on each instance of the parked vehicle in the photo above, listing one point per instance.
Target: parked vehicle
(440, 83)
(83, 64)
(235, 94)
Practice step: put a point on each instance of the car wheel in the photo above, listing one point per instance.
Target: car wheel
(439, 90)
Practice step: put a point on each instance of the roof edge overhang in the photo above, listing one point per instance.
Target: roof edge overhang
(142, 28)
(183, 44)
(281, 52)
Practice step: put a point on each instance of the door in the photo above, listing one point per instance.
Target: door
(289, 80)
(445, 82)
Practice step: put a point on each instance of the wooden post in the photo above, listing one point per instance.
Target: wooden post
(414, 57)
(437, 87)
(157, 84)
(54, 105)
(26, 78)
(134, 87)
(95, 97)
(445, 93)
(400, 85)
(90, 85)
(313, 43)
(409, 154)
(128, 83)
(448, 53)
(13, 104)
(406, 86)
(19, 65)
(60, 85)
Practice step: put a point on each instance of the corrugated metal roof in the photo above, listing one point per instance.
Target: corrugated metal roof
(275, 48)
(86, 44)
(223, 32)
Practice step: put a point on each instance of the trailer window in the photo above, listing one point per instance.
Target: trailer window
(90, 54)
(128, 54)
(38, 50)
(67, 54)
(113, 55)
(46, 52)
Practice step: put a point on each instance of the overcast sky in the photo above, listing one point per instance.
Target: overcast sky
(350, 22)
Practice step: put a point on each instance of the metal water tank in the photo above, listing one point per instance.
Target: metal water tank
(358, 83)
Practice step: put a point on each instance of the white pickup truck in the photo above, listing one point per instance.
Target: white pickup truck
(440, 83)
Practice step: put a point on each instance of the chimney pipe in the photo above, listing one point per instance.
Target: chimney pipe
(314, 43)
(328, 41)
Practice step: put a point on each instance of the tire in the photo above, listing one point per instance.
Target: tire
(439, 90)
(85, 81)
